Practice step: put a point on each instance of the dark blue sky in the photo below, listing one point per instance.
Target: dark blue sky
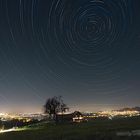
(85, 50)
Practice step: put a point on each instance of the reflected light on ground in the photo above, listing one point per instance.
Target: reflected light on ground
(12, 129)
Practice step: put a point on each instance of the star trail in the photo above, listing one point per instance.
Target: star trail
(85, 50)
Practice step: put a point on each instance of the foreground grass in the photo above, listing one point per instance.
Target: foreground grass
(95, 130)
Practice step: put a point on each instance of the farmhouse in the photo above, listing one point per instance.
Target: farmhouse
(72, 117)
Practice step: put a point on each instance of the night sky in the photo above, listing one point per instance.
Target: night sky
(88, 51)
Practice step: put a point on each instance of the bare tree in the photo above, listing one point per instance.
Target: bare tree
(54, 106)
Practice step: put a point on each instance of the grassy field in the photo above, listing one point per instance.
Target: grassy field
(95, 130)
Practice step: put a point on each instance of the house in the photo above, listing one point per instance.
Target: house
(71, 117)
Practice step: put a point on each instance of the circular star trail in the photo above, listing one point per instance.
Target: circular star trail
(82, 49)
(84, 41)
